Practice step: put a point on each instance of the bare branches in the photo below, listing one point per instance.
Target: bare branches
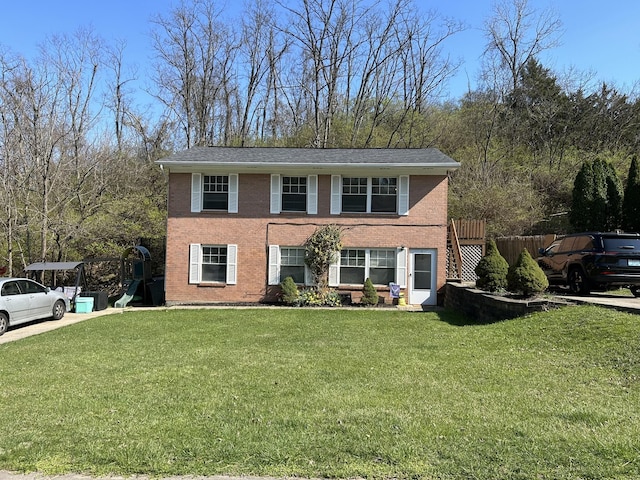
(516, 33)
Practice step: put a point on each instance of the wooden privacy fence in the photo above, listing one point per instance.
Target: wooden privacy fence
(511, 247)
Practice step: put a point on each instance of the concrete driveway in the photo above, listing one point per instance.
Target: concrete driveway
(623, 303)
(41, 326)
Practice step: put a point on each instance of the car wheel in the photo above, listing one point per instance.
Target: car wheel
(635, 291)
(58, 310)
(577, 282)
(4, 323)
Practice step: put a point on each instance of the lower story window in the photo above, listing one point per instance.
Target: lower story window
(382, 266)
(356, 265)
(352, 266)
(212, 263)
(292, 264)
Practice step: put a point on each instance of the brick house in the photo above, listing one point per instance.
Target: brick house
(238, 219)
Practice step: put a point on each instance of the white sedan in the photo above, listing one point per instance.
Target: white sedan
(23, 300)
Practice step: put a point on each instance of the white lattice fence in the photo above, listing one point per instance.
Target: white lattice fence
(471, 255)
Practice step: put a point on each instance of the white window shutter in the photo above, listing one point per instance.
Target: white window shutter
(401, 267)
(232, 264)
(196, 192)
(312, 194)
(194, 263)
(336, 181)
(274, 264)
(334, 272)
(403, 195)
(233, 193)
(275, 194)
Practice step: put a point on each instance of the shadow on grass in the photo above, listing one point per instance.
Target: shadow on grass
(458, 319)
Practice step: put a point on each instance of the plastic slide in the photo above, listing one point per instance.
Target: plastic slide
(128, 296)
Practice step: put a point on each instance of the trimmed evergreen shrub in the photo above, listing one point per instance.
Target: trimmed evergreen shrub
(526, 277)
(492, 270)
(369, 294)
(290, 293)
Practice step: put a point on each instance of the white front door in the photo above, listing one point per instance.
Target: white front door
(422, 277)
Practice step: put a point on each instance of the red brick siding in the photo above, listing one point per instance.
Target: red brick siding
(253, 229)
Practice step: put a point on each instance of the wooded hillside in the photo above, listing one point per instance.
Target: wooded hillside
(77, 148)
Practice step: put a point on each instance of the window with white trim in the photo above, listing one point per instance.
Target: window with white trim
(288, 262)
(352, 266)
(354, 194)
(294, 194)
(214, 192)
(369, 194)
(382, 266)
(212, 263)
(292, 264)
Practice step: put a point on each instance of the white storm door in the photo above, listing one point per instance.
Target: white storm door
(422, 277)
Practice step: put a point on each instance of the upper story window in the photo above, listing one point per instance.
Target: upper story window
(294, 194)
(369, 195)
(214, 193)
(354, 194)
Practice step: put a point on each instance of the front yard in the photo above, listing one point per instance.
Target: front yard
(327, 393)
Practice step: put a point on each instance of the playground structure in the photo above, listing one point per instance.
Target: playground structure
(136, 279)
(68, 277)
(137, 285)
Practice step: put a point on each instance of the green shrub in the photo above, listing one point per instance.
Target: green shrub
(492, 270)
(290, 291)
(369, 294)
(314, 297)
(526, 277)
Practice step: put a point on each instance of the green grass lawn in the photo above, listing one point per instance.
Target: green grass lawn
(327, 393)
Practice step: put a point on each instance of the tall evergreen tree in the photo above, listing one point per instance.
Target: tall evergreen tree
(583, 188)
(597, 198)
(631, 202)
(612, 219)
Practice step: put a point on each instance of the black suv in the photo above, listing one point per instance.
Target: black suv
(593, 261)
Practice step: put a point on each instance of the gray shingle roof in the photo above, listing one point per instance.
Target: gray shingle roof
(272, 157)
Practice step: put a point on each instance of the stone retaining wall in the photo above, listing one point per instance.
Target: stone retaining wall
(485, 307)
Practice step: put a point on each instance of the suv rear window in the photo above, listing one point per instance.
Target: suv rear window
(583, 243)
(579, 243)
(622, 244)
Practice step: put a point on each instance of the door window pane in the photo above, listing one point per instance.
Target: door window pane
(422, 271)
